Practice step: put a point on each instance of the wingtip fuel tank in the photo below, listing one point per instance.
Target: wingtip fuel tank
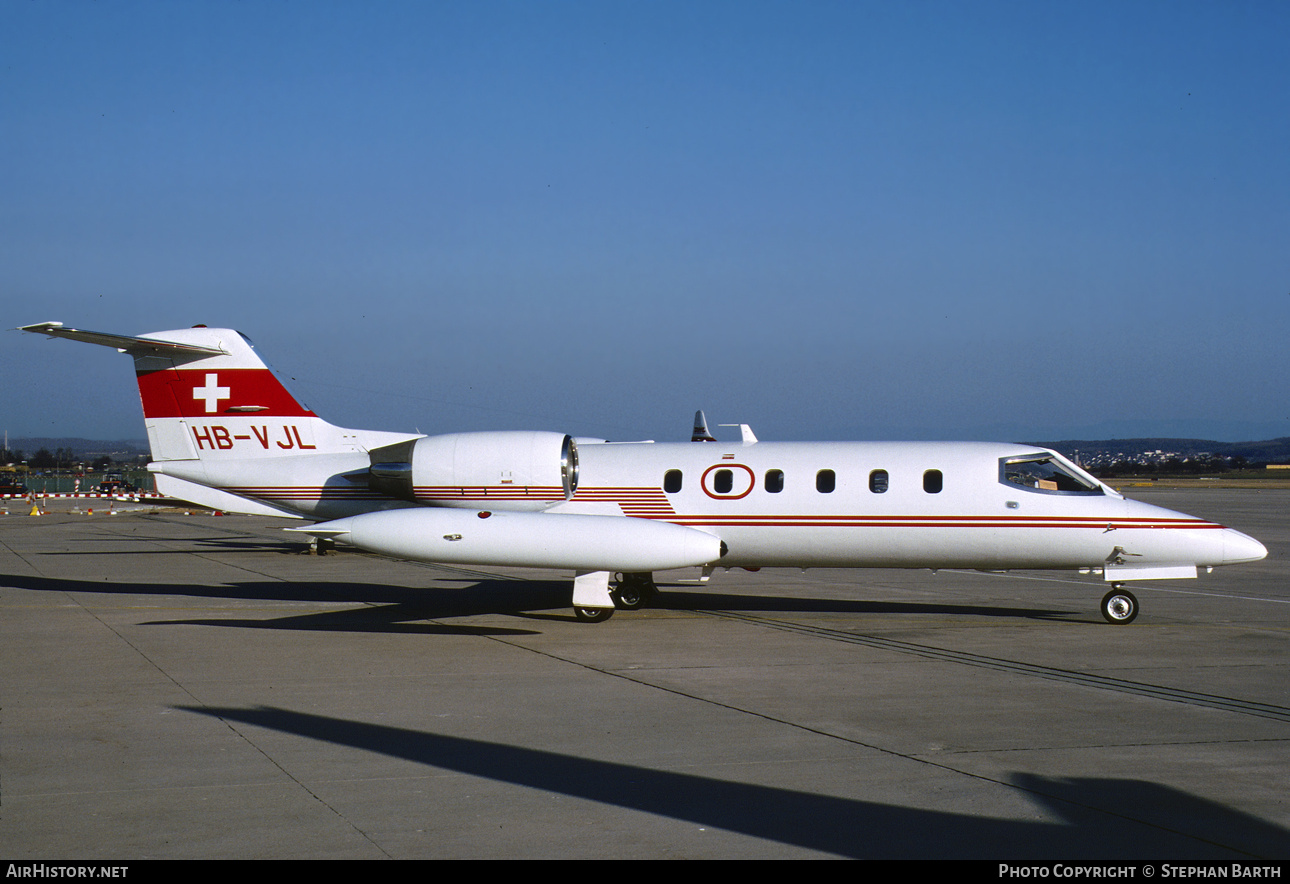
(523, 539)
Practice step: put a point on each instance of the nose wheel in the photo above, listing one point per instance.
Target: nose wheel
(1119, 606)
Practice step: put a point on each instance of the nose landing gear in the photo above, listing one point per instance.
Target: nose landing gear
(1119, 606)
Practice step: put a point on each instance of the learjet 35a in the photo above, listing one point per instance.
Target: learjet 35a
(225, 433)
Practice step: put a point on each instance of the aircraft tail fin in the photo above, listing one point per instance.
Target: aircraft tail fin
(207, 395)
(701, 433)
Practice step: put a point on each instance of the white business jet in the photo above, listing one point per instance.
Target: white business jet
(225, 433)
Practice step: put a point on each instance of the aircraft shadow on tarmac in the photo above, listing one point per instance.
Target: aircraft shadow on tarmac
(399, 608)
(1099, 818)
(683, 600)
(250, 544)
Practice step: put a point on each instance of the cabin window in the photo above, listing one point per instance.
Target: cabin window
(672, 481)
(723, 481)
(878, 481)
(825, 481)
(774, 481)
(933, 481)
(1042, 472)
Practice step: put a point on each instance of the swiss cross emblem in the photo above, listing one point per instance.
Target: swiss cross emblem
(212, 393)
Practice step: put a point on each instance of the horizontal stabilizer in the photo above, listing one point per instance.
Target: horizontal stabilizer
(124, 343)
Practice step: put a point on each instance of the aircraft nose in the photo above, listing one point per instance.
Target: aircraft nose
(1238, 547)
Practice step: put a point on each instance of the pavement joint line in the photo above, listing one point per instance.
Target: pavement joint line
(289, 775)
(1003, 750)
(1173, 590)
(251, 743)
(915, 758)
(1085, 679)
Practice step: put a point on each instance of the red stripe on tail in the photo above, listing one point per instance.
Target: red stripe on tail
(201, 392)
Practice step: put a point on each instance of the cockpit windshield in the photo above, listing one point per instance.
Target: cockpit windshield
(1042, 472)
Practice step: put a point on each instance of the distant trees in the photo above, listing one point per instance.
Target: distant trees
(59, 459)
(1173, 466)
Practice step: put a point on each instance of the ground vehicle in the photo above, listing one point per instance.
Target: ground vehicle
(115, 485)
(12, 487)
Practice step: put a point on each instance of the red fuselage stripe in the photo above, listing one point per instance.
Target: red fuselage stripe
(650, 504)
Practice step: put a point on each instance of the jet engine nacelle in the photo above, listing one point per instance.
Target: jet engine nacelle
(504, 470)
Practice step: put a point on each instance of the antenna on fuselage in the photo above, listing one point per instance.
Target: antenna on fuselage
(745, 433)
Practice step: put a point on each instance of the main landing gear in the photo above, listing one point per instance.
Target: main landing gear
(595, 602)
(1119, 606)
(634, 591)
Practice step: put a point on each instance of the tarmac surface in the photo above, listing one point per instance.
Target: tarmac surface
(191, 686)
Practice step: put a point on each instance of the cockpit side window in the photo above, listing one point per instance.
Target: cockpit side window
(1041, 472)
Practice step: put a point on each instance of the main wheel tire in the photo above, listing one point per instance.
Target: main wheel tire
(633, 592)
(1119, 606)
(593, 615)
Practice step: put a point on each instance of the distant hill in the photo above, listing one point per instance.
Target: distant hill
(1267, 451)
(1102, 450)
(86, 449)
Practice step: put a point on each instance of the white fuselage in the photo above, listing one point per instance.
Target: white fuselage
(226, 433)
(976, 519)
(969, 516)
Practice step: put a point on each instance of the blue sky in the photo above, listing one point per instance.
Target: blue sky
(856, 220)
